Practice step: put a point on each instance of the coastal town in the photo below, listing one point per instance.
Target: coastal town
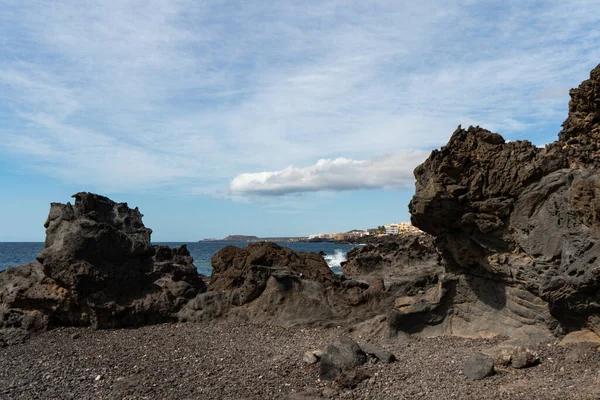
(395, 228)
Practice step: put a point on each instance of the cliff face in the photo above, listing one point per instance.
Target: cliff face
(521, 218)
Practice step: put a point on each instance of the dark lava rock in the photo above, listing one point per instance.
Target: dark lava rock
(277, 295)
(518, 226)
(266, 283)
(341, 355)
(349, 379)
(174, 272)
(478, 367)
(394, 257)
(581, 130)
(97, 268)
(381, 354)
(231, 264)
(29, 301)
(96, 245)
(404, 268)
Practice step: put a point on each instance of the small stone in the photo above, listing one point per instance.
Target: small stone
(380, 353)
(342, 354)
(478, 367)
(523, 357)
(503, 358)
(349, 379)
(76, 335)
(99, 377)
(501, 355)
(310, 358)
(318, 353)
(329, 393)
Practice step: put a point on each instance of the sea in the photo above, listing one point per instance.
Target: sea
(12, 254)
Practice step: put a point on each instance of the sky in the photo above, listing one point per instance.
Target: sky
(267, 118)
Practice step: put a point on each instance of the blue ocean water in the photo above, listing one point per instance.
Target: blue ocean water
(12, 254)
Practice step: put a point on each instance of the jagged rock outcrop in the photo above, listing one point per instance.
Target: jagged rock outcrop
(580, 136)
(409, 258)
(97, 268)
(407, 268)
(231, 263)
(264, 282)
(517, 226)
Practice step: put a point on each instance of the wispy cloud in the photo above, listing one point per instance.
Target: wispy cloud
(394, 171)
(125, 95)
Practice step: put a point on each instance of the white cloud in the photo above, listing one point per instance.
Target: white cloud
(125, 95)
(394, 171)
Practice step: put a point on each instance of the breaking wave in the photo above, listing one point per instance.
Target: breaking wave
(334, 260)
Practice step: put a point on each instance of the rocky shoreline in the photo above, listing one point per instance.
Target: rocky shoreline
(500, 297)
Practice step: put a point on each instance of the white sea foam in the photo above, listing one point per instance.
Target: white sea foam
(334, 260)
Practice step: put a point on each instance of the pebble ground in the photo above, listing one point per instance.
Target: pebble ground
(225, 360)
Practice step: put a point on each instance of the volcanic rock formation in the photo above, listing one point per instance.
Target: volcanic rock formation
(97, 268)
(231, 262)
(409, 257)
(518, 227)
(264, 282)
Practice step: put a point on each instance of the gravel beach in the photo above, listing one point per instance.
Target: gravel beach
(223, 360)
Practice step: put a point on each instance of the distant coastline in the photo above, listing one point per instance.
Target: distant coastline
(371, 239)
(253, 239)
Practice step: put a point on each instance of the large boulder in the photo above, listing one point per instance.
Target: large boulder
(518, 226)
(96, 246)
(97, 268)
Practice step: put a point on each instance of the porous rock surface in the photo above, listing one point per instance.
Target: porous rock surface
(518, 227)
(231, 263)
(97, 268)
(29, 300)
(404, 264)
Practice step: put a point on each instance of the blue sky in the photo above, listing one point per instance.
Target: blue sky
(267, 118)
